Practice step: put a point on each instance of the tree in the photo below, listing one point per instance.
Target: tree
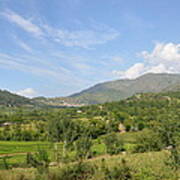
(168, 129)
(39, 160)
(83, 146)
(114, 144)
(62, 128)
(148, 140)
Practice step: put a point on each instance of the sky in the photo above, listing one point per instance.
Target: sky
(58, 47)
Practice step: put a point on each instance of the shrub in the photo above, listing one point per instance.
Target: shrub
(83, 147)
(174, 159)
(39, 160)
(148, 141)
(121, 172)
(114, 144)
(6, 165)
(79, 171)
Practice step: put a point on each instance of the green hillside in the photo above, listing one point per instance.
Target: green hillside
(103, 92)
(10, 99)
(121, 89)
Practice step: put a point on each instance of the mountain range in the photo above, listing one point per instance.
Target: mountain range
(104, 92)
(121, 89)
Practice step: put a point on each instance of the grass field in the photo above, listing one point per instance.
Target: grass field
(145, 166)
(16, 150)
(10, 147)
(151, 165)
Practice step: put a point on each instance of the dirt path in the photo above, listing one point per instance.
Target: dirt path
(12, 154)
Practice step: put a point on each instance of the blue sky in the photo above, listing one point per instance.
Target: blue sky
(58, 47)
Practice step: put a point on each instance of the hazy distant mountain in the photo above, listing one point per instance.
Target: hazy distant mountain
(121, 89)
(175, 87)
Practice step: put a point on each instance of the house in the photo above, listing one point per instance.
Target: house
(122, 128)
(6, 124)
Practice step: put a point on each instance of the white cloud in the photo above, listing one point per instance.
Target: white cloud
(163, 53)
(118, 59)
(132, 72)
(160, 68)
(165, 58)
(23, 45)
(28, 92)
(25, 24)
(38, 68)
(86, 38)
(48, 69)
(81, 38)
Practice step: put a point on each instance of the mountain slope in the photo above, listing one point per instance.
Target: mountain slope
(173, 88)
(10, 99)
(121, 89)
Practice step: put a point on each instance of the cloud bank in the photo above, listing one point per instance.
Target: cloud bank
(165, 58)
(28, 92)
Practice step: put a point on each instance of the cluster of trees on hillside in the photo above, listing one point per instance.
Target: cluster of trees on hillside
(135, 114)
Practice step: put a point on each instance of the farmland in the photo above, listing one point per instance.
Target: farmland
(136, 138)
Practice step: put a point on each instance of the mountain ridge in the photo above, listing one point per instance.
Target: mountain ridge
(124, 88)
(102, 92)
(10, 99)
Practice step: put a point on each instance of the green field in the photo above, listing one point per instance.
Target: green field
(146, 166)
(10, 147)
(15, 151)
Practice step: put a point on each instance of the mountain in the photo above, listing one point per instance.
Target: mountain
(9, 99)
(101, 93)
(51, 102)
(121, 89)
(175, 87)
(13, 100)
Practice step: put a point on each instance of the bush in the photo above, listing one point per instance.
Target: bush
(79, 171)
(114, 144)
(121, 172)
(39, 160)
(174, 159)
(83, 147)
(148, 141)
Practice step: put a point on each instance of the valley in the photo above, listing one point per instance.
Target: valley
(137, 137)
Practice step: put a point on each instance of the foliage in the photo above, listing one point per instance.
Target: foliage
(168, 131)
(151, 122)
(121, 171)
(79, 171)
(114, 144)
(148, 141)
(83, 146)
(5, 163)
(39, 160)
(148, 166)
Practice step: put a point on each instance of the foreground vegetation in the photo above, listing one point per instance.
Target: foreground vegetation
(143, 166)
(137, 138)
